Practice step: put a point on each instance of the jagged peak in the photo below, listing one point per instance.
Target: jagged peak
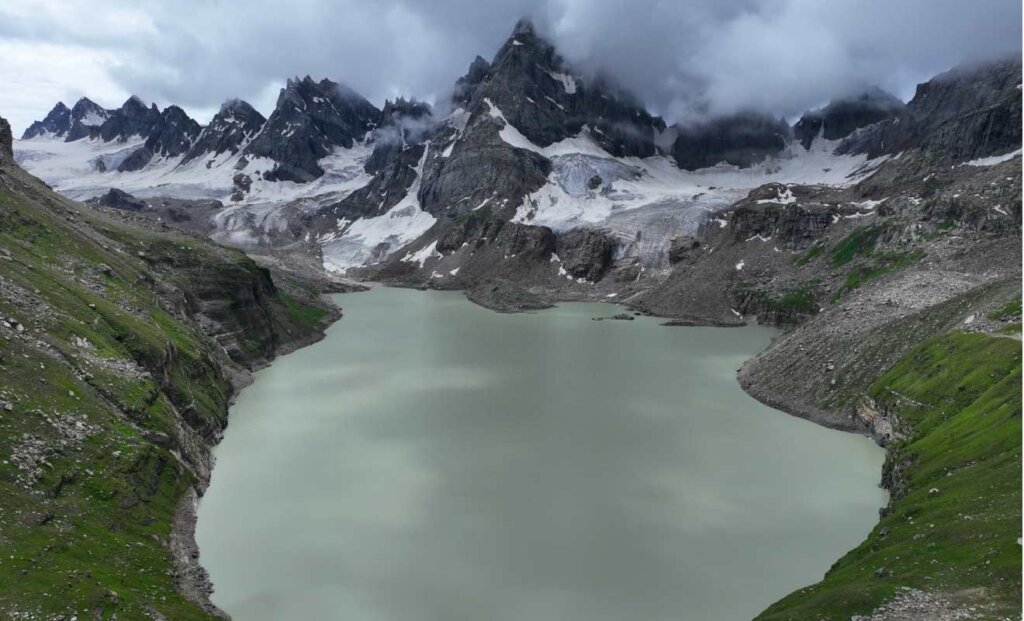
(134, 102)
(174, 111)
(235, 106)
(85, 101)
(524, 27)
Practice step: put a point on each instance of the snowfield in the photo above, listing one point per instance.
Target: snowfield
(644, 202)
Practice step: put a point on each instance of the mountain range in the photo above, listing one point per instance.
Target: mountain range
(882, 237)
(521, 133)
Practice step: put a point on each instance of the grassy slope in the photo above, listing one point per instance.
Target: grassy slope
(960, 397)
(112, 389)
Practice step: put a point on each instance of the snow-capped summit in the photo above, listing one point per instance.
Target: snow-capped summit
(86, 118)
(547, 100)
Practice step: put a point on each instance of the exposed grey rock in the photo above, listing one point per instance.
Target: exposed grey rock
(119, 199)
(682, 248)
(6, 139)
(57, 122)
(841, 117)
(309, 121)
(173, 134)
(505, 297)
(547, 101)
(234, 125)
(967, 113)
(481, 167)
(586, 253)
(397, 152)
(466, 86)
(794, 225)
(741, 140)
(241, 182)
(86, 119)
(137, 160)
(402, 124)
(133, 118)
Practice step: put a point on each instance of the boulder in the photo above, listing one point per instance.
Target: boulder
(586, 253)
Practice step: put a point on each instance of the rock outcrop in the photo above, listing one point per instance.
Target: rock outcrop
(57, 122)
(741, 140)
(234, 125)
(132, 119)
(505, 296)
(118, 199)
(6, 140)
(86, 119)
(310, 120)
(967, 113)
(586, 253)
(841, 117)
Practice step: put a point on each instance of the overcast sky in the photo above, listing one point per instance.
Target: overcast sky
(781, 56)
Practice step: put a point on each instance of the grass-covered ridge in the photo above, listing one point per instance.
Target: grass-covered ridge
(113, 346)
(953, 523)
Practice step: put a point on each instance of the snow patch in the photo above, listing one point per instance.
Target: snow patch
(993, 160)
(420, 256)
(568, 82)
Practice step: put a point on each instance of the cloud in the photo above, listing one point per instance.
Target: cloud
(682, 59)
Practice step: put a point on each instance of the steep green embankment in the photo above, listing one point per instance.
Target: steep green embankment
(952, 527)
(112, 391)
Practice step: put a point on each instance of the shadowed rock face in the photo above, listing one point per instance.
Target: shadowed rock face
(119, 199)
(966, 113)
(86, 119)
(741, 140)
(403, 123)
(232, 127)
(842, 117)
(173, 134)
(131, 119)
(586, 253)
(57, 122)
(547, 102)
(170, 135)
(6, 140)
(466, 86)
(309, 121)
(529, 87)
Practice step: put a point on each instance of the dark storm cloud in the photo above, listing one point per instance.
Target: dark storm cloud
(681, 58)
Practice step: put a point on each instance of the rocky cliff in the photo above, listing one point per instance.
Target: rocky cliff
(967, 113)
(121, 346)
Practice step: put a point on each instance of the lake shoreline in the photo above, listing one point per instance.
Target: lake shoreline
(191, 523)
(191, 579)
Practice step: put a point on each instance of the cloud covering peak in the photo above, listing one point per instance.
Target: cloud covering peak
(682, 59)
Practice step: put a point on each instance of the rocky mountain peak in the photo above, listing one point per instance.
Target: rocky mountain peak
(403, 123)
(310, 120)
(230, 130)
(548, 100)
(56, 123)
(173, 134)
(133, 118)
(841, 117)
(969, 112)
(465, 86)
(86, 118)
